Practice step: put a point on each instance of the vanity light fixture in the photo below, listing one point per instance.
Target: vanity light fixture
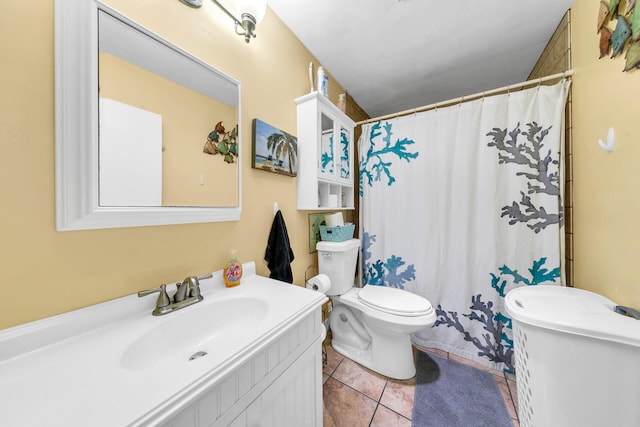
(251, 13)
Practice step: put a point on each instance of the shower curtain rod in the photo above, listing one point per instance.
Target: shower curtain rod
(461, 99)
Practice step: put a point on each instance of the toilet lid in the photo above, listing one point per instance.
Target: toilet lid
(394, 301)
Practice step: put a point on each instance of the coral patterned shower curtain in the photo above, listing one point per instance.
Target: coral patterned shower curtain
(461, 205)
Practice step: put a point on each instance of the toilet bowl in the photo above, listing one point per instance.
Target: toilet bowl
(371, 325)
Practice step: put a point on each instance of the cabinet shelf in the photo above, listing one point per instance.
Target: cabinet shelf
(325, 155)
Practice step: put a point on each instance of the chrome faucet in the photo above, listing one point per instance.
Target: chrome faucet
(187, 293)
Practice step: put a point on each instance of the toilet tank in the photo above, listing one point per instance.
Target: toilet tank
(338, 260)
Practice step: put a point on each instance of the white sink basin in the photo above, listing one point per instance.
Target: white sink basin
(189, 334)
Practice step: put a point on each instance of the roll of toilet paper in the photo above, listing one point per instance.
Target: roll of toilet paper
(320, 283)
(334, 220)
(332, 201)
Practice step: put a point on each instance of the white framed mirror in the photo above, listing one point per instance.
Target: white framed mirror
(109, 71)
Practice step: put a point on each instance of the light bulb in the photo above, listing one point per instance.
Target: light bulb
(255, 8)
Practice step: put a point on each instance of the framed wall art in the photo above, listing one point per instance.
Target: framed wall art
(273, 149)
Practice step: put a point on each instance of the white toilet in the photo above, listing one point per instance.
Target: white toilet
(371, 325)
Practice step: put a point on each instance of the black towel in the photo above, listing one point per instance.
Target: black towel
(279, 254)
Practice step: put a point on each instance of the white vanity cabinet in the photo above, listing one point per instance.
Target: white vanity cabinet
(325, 155)
(245, 356)
(279, 386)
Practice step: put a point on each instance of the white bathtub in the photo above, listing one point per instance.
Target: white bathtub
(577, 361)
(114, 364)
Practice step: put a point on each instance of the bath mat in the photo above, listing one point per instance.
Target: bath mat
(451, 394)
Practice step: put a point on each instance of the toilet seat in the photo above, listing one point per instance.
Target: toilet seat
(394, 301)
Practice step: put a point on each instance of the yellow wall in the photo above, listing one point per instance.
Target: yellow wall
(606, 186)
(44, 272)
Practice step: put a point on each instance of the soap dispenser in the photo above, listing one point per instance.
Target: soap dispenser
(232, 273)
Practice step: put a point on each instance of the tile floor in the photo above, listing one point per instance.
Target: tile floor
(355, 396)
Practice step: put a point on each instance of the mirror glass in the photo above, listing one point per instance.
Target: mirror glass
(139, 126)
(157, 108)
(327, 159)
(345, 160)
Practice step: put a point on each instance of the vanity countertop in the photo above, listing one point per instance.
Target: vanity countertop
(99, 366)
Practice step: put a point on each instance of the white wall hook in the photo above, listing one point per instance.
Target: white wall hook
(611, 141)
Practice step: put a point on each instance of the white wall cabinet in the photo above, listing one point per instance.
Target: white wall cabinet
(325, 155)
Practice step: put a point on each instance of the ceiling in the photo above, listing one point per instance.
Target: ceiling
(394, 55)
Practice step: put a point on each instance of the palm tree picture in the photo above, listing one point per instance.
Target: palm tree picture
(274, 150)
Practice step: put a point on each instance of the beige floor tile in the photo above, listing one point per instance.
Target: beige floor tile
(345, 407)
(347, 385)
(437, 352)
(385, 417)
(360, 378)
(398, 396)
(506, 395)
(333, 360)
(474, 364)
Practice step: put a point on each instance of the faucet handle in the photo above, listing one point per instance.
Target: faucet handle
(163, 298)
(195, 285)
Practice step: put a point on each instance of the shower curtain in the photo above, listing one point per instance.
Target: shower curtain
(462, 204)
